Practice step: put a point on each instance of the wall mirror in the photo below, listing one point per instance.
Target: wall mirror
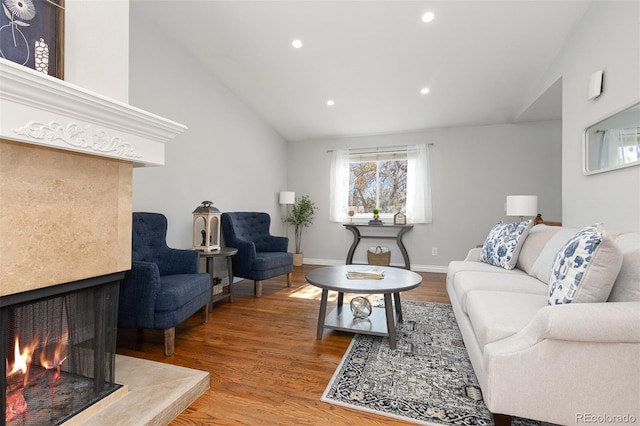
(614, 142)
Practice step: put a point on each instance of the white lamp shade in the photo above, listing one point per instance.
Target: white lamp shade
(522, 205)
(287, 197)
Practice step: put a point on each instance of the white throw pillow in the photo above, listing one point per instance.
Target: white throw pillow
(503, 244)
(585, 268)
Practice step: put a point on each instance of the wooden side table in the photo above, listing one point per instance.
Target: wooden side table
(210, 256)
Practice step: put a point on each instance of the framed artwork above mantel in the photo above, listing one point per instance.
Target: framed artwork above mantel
(32, 34)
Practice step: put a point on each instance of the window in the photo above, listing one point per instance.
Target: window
(392, 179)
(378, 181)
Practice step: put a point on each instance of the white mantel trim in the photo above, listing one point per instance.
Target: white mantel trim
(43, 110)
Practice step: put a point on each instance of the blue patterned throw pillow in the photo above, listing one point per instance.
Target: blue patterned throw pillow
(585, 268)
(503, 244)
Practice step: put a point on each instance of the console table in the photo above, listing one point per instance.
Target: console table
(357, 236)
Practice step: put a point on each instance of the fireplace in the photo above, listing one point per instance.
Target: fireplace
(66, 185)
(59, 345)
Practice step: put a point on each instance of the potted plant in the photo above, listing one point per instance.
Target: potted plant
(301, 216)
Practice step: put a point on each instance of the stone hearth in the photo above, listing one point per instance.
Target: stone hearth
(155, 394)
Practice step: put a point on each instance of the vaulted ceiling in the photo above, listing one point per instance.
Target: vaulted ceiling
(479, 59)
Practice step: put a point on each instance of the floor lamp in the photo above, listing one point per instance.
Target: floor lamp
(285, 198)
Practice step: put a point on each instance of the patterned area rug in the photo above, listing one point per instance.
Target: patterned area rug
(428, 379)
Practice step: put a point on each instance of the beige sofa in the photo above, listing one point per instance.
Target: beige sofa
(573, 363)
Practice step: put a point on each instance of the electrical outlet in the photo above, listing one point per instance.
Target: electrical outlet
(434, 251)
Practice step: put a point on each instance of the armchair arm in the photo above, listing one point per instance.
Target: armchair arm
(245, 258)
(274, 243)
(246, 250)
(137, 298)
(177, 261)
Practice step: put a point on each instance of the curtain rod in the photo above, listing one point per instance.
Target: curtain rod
(622, 128)
(383, 149)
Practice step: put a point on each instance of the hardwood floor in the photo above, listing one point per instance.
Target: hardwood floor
(265, 363)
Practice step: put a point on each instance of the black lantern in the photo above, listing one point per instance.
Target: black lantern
(206, 227)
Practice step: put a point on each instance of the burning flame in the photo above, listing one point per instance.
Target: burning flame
(59, 355)
(16, 404)
(21, 360)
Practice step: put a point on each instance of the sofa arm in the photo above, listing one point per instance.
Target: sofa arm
(137, 297)
(473, 255)
(611, 322)
(570, 359)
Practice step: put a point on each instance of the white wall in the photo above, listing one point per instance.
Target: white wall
(228, 155)
(473, 170)
(96, 54)
(607, 38)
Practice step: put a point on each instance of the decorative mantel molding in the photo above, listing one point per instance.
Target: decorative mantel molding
(77, 136)
(42, 110)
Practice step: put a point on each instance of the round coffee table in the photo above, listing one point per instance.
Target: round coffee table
(381, 322)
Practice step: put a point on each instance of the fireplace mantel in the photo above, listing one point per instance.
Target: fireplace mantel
(42, 110)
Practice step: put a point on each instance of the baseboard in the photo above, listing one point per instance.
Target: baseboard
(416, 268)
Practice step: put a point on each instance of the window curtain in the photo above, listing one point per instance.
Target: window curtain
(419, 208)
(619, 146)
(611, 148)
(339, 185)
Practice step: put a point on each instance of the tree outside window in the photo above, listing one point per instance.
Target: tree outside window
(378, 184)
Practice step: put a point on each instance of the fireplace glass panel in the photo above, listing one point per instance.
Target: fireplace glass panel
(60, 354)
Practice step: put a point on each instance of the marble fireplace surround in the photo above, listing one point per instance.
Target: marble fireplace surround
(66, 174)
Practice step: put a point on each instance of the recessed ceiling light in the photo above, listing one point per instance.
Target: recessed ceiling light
(330, 102)
(428, 17)
(424, 90)
(297, 43)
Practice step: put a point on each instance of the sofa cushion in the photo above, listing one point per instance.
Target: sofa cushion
(503, 244)
(518, 282)
(457, 266)
(626, 288)
(495, 315)
(537, 239)
(541, 268)
(585, 268)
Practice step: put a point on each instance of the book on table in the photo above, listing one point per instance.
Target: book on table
(365, 274)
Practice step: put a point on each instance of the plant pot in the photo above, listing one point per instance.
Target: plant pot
(297, 259)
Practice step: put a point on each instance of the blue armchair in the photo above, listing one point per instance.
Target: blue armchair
(164, 286)
(260, 255)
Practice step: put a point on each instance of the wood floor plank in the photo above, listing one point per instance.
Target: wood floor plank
(265, 363)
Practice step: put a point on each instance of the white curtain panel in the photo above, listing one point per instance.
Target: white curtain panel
(339, 185)
(419, 208)
(612, 142)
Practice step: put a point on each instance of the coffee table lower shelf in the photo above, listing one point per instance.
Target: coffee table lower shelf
(375, 324)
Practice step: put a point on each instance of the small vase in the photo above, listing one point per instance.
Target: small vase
(298, 259)
(376, 216)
